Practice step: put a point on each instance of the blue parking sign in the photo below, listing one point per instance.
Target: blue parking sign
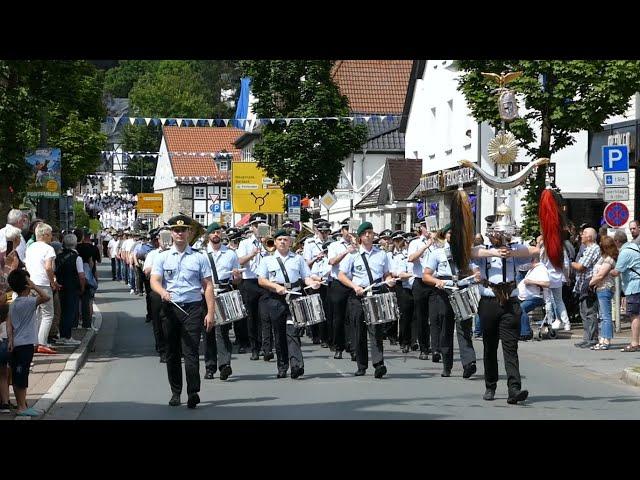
(227, 206)
(615, 158)
(294, 200)
(215, 208)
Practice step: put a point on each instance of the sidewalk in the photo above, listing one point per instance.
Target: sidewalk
(51, 374)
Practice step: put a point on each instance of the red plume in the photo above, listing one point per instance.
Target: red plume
(551, 225)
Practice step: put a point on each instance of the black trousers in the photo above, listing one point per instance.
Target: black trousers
(338, 297)
(146, 281)
(442, 321)
(113, 268)
(405, 304)
(356, 313)
(156, 322)
(217, 345)
(500, 323)
(421, 294)
(251, 293)
(183, 331)
(286, 336)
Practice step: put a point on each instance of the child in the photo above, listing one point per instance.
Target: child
(21, 327)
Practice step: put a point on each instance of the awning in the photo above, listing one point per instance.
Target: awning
(244, 220)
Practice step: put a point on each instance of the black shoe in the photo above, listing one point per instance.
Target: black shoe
(268, 356)
(446, 372)
(360, 372)
(353, 357)
(435, 358)
(282, 374)
(520, 396)
(423, 356)
(242, 350)
(255, 356)
(324, 345)
(338, 354)
(469, 370)
(225, 371)
(194, 399)
(209, 375)
(381, 371)
(175, 400)
(489, 394)
(406, 348)
(297, 372)
(415, 347)
(163, 358)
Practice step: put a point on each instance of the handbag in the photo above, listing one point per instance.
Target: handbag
(91, 280)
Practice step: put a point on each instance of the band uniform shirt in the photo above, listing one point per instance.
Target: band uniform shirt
(629, 258)
(418, 264)
(294, 264)
(493, 267)
(182, 273)
(400, 263)
(148, 261)
(313, 247)
(588, 260)
(337, 248)
(246, 248)
(353, 265)
(438, 263)
(225, 260)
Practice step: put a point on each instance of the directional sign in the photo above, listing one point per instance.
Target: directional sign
(620, 179)
(150, 203)
(250, 192)
(616, 214)
(294, 200)
(614, 194)
(615, 158)
(328, 200)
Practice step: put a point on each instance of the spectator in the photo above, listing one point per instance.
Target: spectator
(634, 228)
(15, 218)
(70, 275)
(32, 231)
(91, 257)
(112, 247)
(531, 295)
(587, 297)
(602, 281)
(22, 335)
(40, 265)
(620, 238)
(557, 278)
(628, 267)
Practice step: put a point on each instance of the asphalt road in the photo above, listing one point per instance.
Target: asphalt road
(123, 379)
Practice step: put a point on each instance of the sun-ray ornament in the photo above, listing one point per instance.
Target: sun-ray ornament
(503, 149)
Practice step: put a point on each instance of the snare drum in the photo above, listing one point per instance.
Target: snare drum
(465, 302)
(306, 311)
(381, 308)
(229, 307)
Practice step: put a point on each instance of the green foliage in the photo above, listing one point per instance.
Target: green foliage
(80, 215)
(560, 97)
(140, 166)
(119, 81)
(305, 158)
(94, 225)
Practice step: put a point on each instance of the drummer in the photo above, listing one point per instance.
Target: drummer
(278, 274)
(403, 271)
(224, 265)
(367, 267)
(314, 256)
(440, 272)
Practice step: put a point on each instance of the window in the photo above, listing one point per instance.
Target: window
(199, 192)
(224, 191)
(223, 166)
(199, 217)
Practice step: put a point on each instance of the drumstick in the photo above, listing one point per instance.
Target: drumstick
(468, 278)
(309, 286)
(291, 292)
(371, 286)
(451, 288)
(178, 307)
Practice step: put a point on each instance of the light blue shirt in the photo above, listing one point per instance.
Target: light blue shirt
(438, 263)
(313, 247)
(629, 258)
(337, 248)
(225, 261)
(418, 264)
(182, 273)
(353, 266)
(399, 263)
(495, 270)
(294, 264)
(245, 248)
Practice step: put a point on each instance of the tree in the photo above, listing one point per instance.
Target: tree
(305, 158)
(562, 98)
(119, 81)
(140, 166)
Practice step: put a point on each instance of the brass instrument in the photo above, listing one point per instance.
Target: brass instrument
(269, 244)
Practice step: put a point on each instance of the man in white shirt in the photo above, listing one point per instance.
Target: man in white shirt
(112, 247)
(40, 265)
(531, 295)
(17, 219)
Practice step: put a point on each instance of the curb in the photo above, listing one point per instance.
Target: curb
(74, 363)
(631, 377)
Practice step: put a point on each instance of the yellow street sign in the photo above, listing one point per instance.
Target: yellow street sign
(252, 191)
(150, 203)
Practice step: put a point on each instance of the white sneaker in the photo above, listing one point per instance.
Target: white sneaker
(567, 327)
(71, 341)
(556, 324)
(132, 292)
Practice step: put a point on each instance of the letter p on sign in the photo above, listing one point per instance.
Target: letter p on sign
(615, 158)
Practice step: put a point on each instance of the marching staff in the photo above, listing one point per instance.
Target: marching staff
(418, 253)
(339, 293)
(402, 270)
(278, 274)
(358, 271)
(178, 275)
(251, 253)
(441, 272)
(224, 264)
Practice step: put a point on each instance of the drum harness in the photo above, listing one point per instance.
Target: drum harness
(218, 284)
(294, 287)
(371, 281)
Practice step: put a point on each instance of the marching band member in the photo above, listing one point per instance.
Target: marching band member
(278, 274)
(224, 264)
(402, 270)
(339, 293)
(417, 253)
(313, 254)
(440, 272)
(251, 253)
(357, 271)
